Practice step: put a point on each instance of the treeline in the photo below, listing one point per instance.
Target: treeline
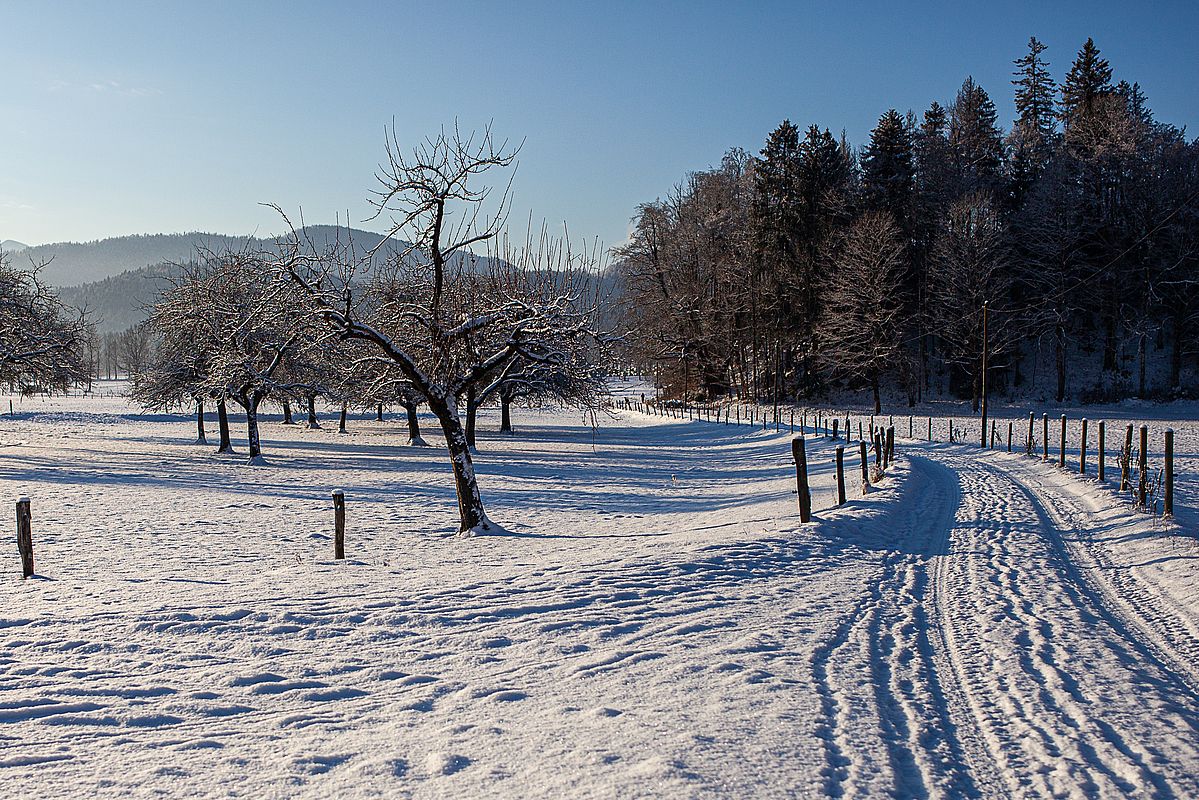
(815, 267)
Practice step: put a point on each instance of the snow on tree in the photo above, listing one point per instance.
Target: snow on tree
(42, 342)
(446, 317)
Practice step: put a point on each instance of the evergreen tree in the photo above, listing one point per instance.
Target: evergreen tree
(1089, 79)
(1031, 141)
(887, 170)
(976, 143)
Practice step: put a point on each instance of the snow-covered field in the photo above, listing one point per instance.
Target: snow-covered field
(657, 623)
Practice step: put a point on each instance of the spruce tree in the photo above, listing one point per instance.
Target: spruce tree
(976, 143)
(1089, 79)
(1030, 143)
(887, 170)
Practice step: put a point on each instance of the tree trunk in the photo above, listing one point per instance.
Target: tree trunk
(505, 414)
(472, 410)
(472, 517)
(1060, 356)
(878, 403)
(1141, 356)
(379, 415)
(312, 423)
(254, 444)
(287, 413)
(341, 421)
(222, 418)
(413, 424)
(1176, 355)
(200, 421)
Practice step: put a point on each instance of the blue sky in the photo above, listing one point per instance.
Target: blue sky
(129, 117)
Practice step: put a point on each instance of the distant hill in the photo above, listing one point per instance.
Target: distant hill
(75, 263)
(117, 300)
(12, 246)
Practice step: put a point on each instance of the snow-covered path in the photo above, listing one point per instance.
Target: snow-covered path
(657, 625)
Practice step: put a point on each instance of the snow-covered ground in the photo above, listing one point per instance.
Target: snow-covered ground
(657, 623)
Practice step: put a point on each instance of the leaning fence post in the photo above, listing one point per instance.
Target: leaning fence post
(1102, 454)
(339, 524)
(1143, 466)
(1168, 508)
(801, 479)
(25, 536)
(1082, 450)
(840, 475)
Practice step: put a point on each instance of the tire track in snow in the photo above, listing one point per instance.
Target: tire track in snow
(887, 728)
(1168, 635)
(1068, 701)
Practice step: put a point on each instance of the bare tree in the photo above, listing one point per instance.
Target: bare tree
(42, 342)
(445, 317)
(864, 321)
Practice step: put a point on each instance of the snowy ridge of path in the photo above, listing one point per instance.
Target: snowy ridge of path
(1069, 701)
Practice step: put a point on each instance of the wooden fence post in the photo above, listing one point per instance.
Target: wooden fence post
(1168, 508)
(911, 428)
(1102, 455)
(836, 422)
(1028, 443)
(1082, 450)
(1126, 459)
(801, 479)
(1062, 446)
(840, 475)
(1009, 436)
(865, 464)
(1143, 466)
(890, 444)
(1045, 436)
(930, 429)
(339, 524)
(25, 536)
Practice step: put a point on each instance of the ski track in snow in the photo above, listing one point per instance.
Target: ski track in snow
(657, 624)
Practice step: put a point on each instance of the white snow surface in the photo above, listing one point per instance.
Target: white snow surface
(654, 622)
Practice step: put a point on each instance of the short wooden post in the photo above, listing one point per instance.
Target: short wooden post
(992, 434)
(793, 421)
(1030, 418)
(1168, 508)
(1045, 436)
(951, 429)
(860, 439)
(840, 475)
(836, 422)
(1143, 466)
(1061, 459)
(911, 429)
(1009, 436)
(930, 429)
(1102, 455)
(865, 465)
(25, 536)
(801, 479)
(339, 524)
(1126, 460)
(890, 444)
(1082, 450)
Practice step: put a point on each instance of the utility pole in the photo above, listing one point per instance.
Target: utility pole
(984, 425)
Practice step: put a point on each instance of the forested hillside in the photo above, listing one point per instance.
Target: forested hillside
(817, 267)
